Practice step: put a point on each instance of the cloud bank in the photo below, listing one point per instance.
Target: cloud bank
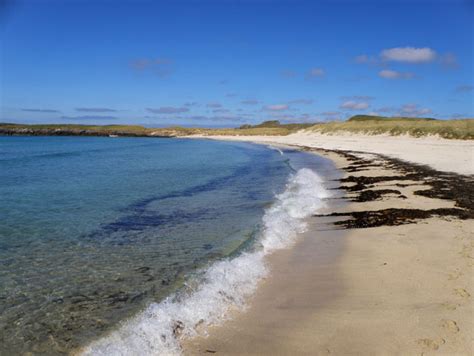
(408, 54)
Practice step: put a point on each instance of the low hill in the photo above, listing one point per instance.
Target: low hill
(462, 129)
(384, 118)
(87, 130)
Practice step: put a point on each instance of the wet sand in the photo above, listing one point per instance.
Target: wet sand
(377, 286)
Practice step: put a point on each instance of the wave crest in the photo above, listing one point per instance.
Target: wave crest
(224, 285)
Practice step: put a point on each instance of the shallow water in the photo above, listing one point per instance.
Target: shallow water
(93, 230)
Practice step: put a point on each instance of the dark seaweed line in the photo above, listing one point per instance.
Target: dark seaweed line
(440, 185)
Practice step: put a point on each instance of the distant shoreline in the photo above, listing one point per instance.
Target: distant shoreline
(459, 129)
(76, 132)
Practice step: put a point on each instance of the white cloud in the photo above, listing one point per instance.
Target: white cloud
(358, 97)
(316, 72)
(277, 107)
(301, 101)
(393, 74)
(389, 74)
(354, 105)
(409, 54)
(413, 110)
(168, 110)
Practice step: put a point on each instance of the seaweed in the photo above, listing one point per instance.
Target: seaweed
(438, 185)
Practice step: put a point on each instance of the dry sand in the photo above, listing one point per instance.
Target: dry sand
(441, 154)
(398, 290)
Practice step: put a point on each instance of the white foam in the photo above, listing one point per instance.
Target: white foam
(224, 285)
(276, 149)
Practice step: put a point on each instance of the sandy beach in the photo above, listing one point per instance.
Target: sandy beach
(440, 154)
(389, 273)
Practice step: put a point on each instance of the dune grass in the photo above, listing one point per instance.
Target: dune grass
(253, 131)
(374, 125)
(266, 128)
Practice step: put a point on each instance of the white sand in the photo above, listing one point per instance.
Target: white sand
(388, 290)
(441, 154)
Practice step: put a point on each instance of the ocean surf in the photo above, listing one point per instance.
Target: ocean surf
(132, 244)
(222, 287)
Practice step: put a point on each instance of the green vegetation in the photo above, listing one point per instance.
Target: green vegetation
(363, 124)
(417, 127)
(76, 128)
(383, 118)
(83, 130)
(277, 124)
(251, 131)
(272, 128)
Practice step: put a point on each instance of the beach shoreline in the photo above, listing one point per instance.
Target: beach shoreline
(396, 282)
(447, 155)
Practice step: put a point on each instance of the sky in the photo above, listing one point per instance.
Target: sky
(228, 63)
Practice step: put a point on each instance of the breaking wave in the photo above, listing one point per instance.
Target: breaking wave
(225, 285)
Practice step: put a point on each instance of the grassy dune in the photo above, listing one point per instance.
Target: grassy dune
(266, 128)
(376, 125)
(362, 124)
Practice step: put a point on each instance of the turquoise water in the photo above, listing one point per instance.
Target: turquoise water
(95, 229)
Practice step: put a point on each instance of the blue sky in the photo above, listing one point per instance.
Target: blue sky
(226, 63)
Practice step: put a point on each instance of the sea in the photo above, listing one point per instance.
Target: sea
(125, 246)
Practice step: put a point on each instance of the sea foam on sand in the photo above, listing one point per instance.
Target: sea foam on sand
(224, 285)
